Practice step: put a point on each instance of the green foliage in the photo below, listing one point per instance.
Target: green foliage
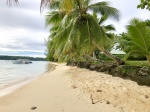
(145, 4)
(74, 30)
(124, 43)
(106, 29)
(140, 36)
(136, 41)
(103, 8)
(137, 63)
(103, 57)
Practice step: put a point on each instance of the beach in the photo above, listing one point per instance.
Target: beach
(71, 89)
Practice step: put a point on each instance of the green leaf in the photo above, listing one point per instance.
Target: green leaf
(103, 8)
(140, 34)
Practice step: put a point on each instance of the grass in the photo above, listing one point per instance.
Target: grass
(137, 63)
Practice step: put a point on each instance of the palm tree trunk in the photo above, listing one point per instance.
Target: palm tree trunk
(94, 55)
(117, 60)
(148, 59)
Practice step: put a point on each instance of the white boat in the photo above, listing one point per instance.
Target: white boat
(22, 61)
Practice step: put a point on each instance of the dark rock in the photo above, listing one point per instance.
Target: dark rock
(144, 71)
(74, 86)
(71, 63)
(146, 96)
(33, 108)
(99, 90)
(93, 67)
(80, 64)
(107, 102)
(87, 65)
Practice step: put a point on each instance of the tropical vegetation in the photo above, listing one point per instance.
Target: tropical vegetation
(144, 4)
(76, 31)
(136, 40)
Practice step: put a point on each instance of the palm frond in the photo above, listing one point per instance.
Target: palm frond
(95, 16)
(45, 3)
(86, 45)
(11, 2)
(53, 29)
(52, 35)
(86, 3)
(60, 40)
(54, 5)
(135, 21)
(66, 5)
(110, 28)
(103, 8)
(140, 34)
(103, 19)
(132, 53)
(54, 17)
(97, 33)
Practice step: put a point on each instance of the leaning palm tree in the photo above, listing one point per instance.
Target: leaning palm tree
(78, 29)
(139, 34)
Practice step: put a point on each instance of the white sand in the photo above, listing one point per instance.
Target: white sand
(67, 89)
(126, 95)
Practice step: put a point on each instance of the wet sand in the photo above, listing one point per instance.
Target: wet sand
(70, 89)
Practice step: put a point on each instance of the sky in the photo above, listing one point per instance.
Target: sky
(23, 31)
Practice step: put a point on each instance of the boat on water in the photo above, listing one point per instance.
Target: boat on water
(22, 61)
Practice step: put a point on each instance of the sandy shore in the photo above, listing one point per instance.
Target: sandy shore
(69, 89)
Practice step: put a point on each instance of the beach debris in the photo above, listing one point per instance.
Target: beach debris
(94, 102)
(146, 96)
(33, 108)
(92, 99)
(74, 86)
(99, 90)
(107, 102)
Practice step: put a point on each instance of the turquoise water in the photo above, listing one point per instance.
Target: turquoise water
(11, 74)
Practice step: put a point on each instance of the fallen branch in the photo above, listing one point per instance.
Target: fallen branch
(91, 97)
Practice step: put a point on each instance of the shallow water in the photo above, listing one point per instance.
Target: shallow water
(11, 74)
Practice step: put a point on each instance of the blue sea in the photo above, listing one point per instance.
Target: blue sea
(11, 74)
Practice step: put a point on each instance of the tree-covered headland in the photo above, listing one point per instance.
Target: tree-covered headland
(3, 57)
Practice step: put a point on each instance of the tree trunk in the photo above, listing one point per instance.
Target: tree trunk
(148, 59)
(117, 60)
(94, 55)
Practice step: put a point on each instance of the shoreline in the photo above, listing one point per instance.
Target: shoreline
(11, 88)
(8, 89)
(71, 89)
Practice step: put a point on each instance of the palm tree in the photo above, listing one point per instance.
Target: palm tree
(79, 28)
(139, 34)
(79, 20)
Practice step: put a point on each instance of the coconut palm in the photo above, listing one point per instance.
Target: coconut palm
(79, 30)
(139, 34)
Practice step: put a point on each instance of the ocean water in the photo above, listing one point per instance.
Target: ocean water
(11, 74)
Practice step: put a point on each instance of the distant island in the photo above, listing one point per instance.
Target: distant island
(3, 57)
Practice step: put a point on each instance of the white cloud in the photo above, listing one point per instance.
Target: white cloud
(128, 9)
(22, 27)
